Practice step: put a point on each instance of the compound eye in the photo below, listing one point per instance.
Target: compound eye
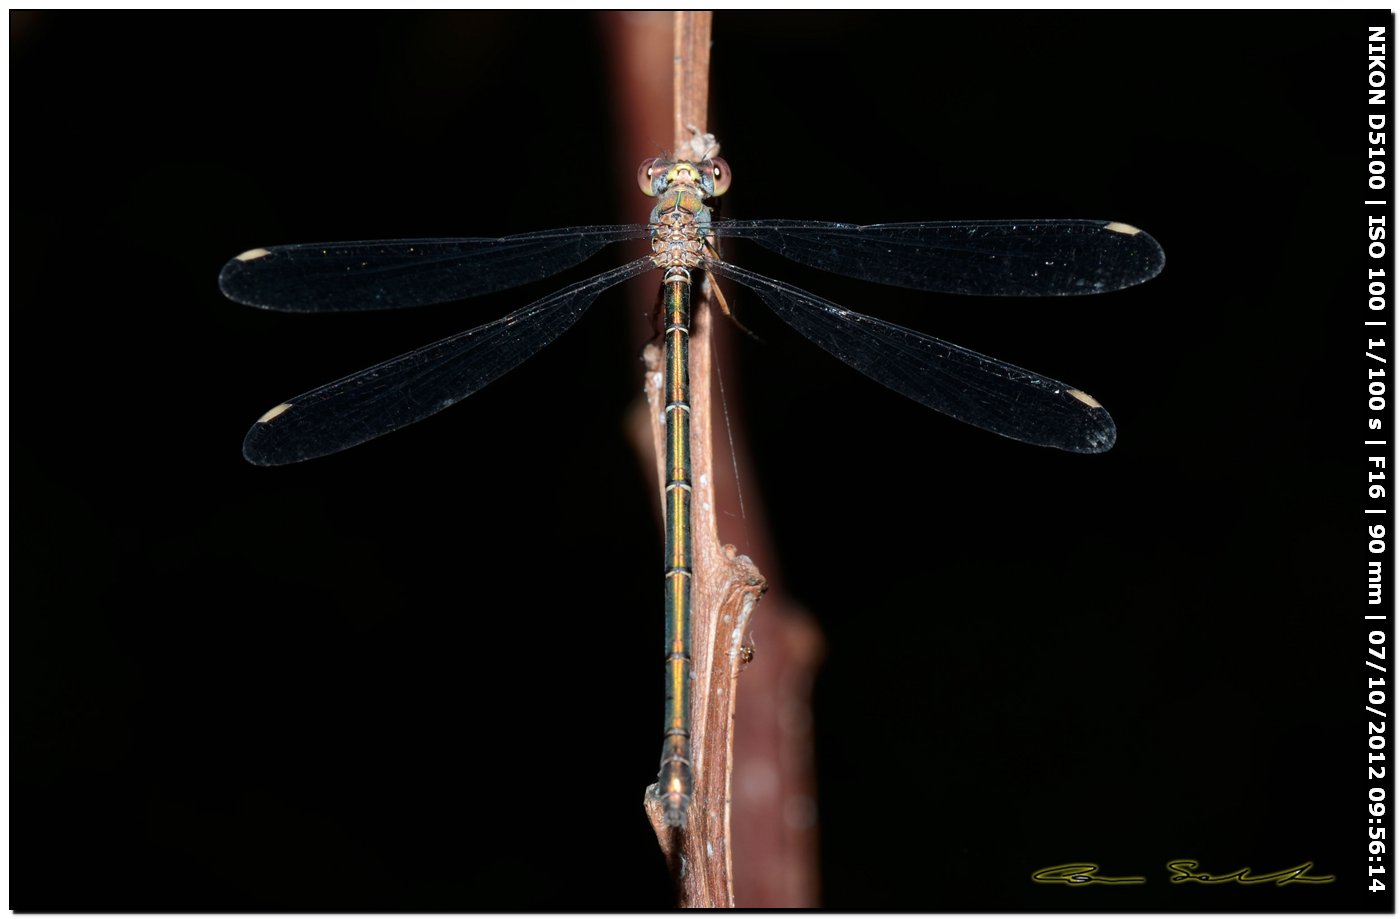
(645, 173)
(719, 170)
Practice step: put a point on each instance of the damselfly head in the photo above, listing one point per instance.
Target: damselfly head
(710, 176)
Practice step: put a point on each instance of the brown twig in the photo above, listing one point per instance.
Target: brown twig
(765, 853)
(725, 586)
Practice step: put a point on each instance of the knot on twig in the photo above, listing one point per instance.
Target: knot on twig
(702, 145)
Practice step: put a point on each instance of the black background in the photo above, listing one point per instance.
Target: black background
(423, 674)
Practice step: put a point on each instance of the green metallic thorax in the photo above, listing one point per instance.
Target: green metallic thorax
(680, 227)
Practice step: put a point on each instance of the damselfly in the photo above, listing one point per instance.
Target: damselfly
(988, 258)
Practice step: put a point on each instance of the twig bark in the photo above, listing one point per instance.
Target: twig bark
(774, 830)
(725, 586)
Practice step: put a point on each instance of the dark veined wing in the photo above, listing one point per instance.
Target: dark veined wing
(962, 384)
(346, 276)
(413, 386)
(1013, 258)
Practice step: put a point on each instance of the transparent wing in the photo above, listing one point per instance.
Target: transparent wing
(962, 384)
(413, 386)
(1015, 258)
(346, 276)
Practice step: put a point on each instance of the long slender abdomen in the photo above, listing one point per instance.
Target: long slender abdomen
(674, 780)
